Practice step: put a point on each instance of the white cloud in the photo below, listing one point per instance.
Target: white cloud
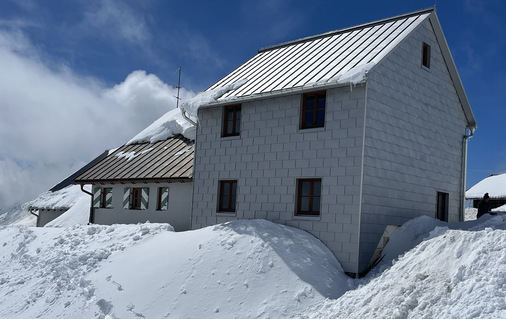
(54, 121)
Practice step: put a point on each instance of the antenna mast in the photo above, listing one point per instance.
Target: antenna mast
(178, 87)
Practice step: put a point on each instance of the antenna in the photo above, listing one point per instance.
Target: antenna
(178, 87)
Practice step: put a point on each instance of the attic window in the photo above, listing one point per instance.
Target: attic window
(426, 55)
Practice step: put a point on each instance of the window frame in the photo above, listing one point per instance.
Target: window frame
(132, 198)
(103, 197)
(314, 96)
(221, 196)
(236, 122)
(159, 198)
(426, 55)
(299, 211)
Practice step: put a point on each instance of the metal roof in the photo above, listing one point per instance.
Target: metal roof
(170, 160)
(305, 62)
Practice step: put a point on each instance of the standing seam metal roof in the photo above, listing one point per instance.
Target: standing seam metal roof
(171, 159)
(307, 61)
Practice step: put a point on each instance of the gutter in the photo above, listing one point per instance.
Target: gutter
(92, 210)
(183, 113)
(465, 138)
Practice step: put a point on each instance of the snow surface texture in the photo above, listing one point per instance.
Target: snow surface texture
(249, 269)
(239, 269)
(173, 122)
(494, 185)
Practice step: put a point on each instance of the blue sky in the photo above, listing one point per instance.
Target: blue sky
(83, 76)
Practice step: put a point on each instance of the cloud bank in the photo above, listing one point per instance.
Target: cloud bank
(54, 121)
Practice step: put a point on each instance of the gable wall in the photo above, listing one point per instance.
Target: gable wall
(413, 144)
(178, 213)
(269, 156)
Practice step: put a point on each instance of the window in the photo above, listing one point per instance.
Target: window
(442, 206)
(136, 198)
(163, 198)
(426, 55)
(308, 196)
(313, 110)
(228, 193)
(231, 120)
(106, 198)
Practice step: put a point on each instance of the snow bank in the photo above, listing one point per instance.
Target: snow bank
(78, 214)
(494, 185)
(244, 268)
(450, 274)
(173, 122)
(62, 199)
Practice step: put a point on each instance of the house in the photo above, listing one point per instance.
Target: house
(494, 185)
(60, 198)
(143, 181)
(340, 134)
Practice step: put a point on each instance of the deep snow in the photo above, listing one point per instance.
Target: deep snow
(247, 269)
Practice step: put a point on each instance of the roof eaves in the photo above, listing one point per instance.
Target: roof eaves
(279, 93)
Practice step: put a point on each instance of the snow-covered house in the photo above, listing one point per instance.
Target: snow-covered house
(143, 181)
(60, 198)
(494, 185)
(339, 134)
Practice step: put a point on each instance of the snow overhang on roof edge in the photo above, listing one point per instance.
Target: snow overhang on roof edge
(283, 92)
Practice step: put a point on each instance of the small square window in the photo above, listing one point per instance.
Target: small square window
(228, 194)
(308, 196)
(426, 55)
(231, 120)
(313, 110)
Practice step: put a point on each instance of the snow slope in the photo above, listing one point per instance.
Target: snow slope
(248, 269)
(239, 269)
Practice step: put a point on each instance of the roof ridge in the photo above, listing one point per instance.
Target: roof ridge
(360, 26)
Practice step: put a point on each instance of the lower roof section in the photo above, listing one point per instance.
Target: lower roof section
(170, 160)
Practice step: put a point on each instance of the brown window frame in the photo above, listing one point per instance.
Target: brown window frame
(103, 197)
(426, 55)
(314, 96)
(311, 197)
(159, 198)
(227, 207)
(236, 120)
(133, 198)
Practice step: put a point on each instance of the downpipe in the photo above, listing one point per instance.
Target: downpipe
(464, 170)
(92, 210)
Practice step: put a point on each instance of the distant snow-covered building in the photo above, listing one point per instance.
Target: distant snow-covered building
(494, 185)
(339, 134)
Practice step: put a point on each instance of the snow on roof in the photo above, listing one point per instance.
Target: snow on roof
(61, 199)
(173, 122)
(494, 185)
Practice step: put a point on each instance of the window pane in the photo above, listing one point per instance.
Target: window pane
(309, 104)
(321, 102)
(304, 204)
(320, 116)
(224, 201)
(305, 188)
(316, 204)
(229, 127)
(317, 186)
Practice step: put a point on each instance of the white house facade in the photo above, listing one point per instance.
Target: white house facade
(143, 182)
(340, 134)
